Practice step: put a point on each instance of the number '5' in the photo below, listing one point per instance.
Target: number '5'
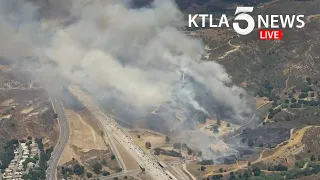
(244, 17)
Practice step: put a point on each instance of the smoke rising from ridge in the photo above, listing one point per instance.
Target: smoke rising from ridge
(136, 56)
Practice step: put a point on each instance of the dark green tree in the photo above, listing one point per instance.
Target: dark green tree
(256, 171)
(78, 169)
(250, 142)
(148, 145)
(105, 173)
(113, 157)
(220, 170)
(97, 167)
(167, 139)
(89, 175)
(218, 122)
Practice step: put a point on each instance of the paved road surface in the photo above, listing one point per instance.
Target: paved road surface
(62, 141)
(115, 150)
(179, 172)
(121, 174)
(64, 136)
(111, 127)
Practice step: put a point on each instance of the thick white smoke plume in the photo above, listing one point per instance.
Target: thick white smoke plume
(137, 56)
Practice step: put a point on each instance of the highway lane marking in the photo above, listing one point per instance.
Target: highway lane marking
(62, 140)
(117, 132)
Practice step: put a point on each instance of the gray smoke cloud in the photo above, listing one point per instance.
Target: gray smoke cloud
(136, 56)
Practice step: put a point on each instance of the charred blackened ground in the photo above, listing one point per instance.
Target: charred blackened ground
(268, 137)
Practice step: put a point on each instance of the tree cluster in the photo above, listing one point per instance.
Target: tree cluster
(7, 154)
(39, 173)
(148, 145)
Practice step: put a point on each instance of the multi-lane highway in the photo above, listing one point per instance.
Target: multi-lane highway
(113, 131)
(110, 126)
(62, 141)
(121, 174)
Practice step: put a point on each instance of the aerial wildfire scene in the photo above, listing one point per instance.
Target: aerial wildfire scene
(125, 89)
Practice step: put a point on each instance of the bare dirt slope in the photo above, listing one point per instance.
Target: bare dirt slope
(27, 113)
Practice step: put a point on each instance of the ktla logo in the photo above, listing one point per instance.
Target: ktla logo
(272, 23)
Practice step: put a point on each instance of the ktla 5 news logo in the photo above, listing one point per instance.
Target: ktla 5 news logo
(263, 21)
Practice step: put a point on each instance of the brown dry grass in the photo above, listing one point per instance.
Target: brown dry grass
(156, 140)
(313, 17)
(244, 84)
(193, 168)
(8, 102)
(167, 159)
(286, 149)
(223, 128)
(82, 135)
(128, 160)
(282, 153)
(27, 110)
(214, 169)
(261, 101)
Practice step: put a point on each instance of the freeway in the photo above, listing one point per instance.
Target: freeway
(130, 173)
(115, 150)
(62, 141)
(180, 174)
(110, 126)
(135, 172)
